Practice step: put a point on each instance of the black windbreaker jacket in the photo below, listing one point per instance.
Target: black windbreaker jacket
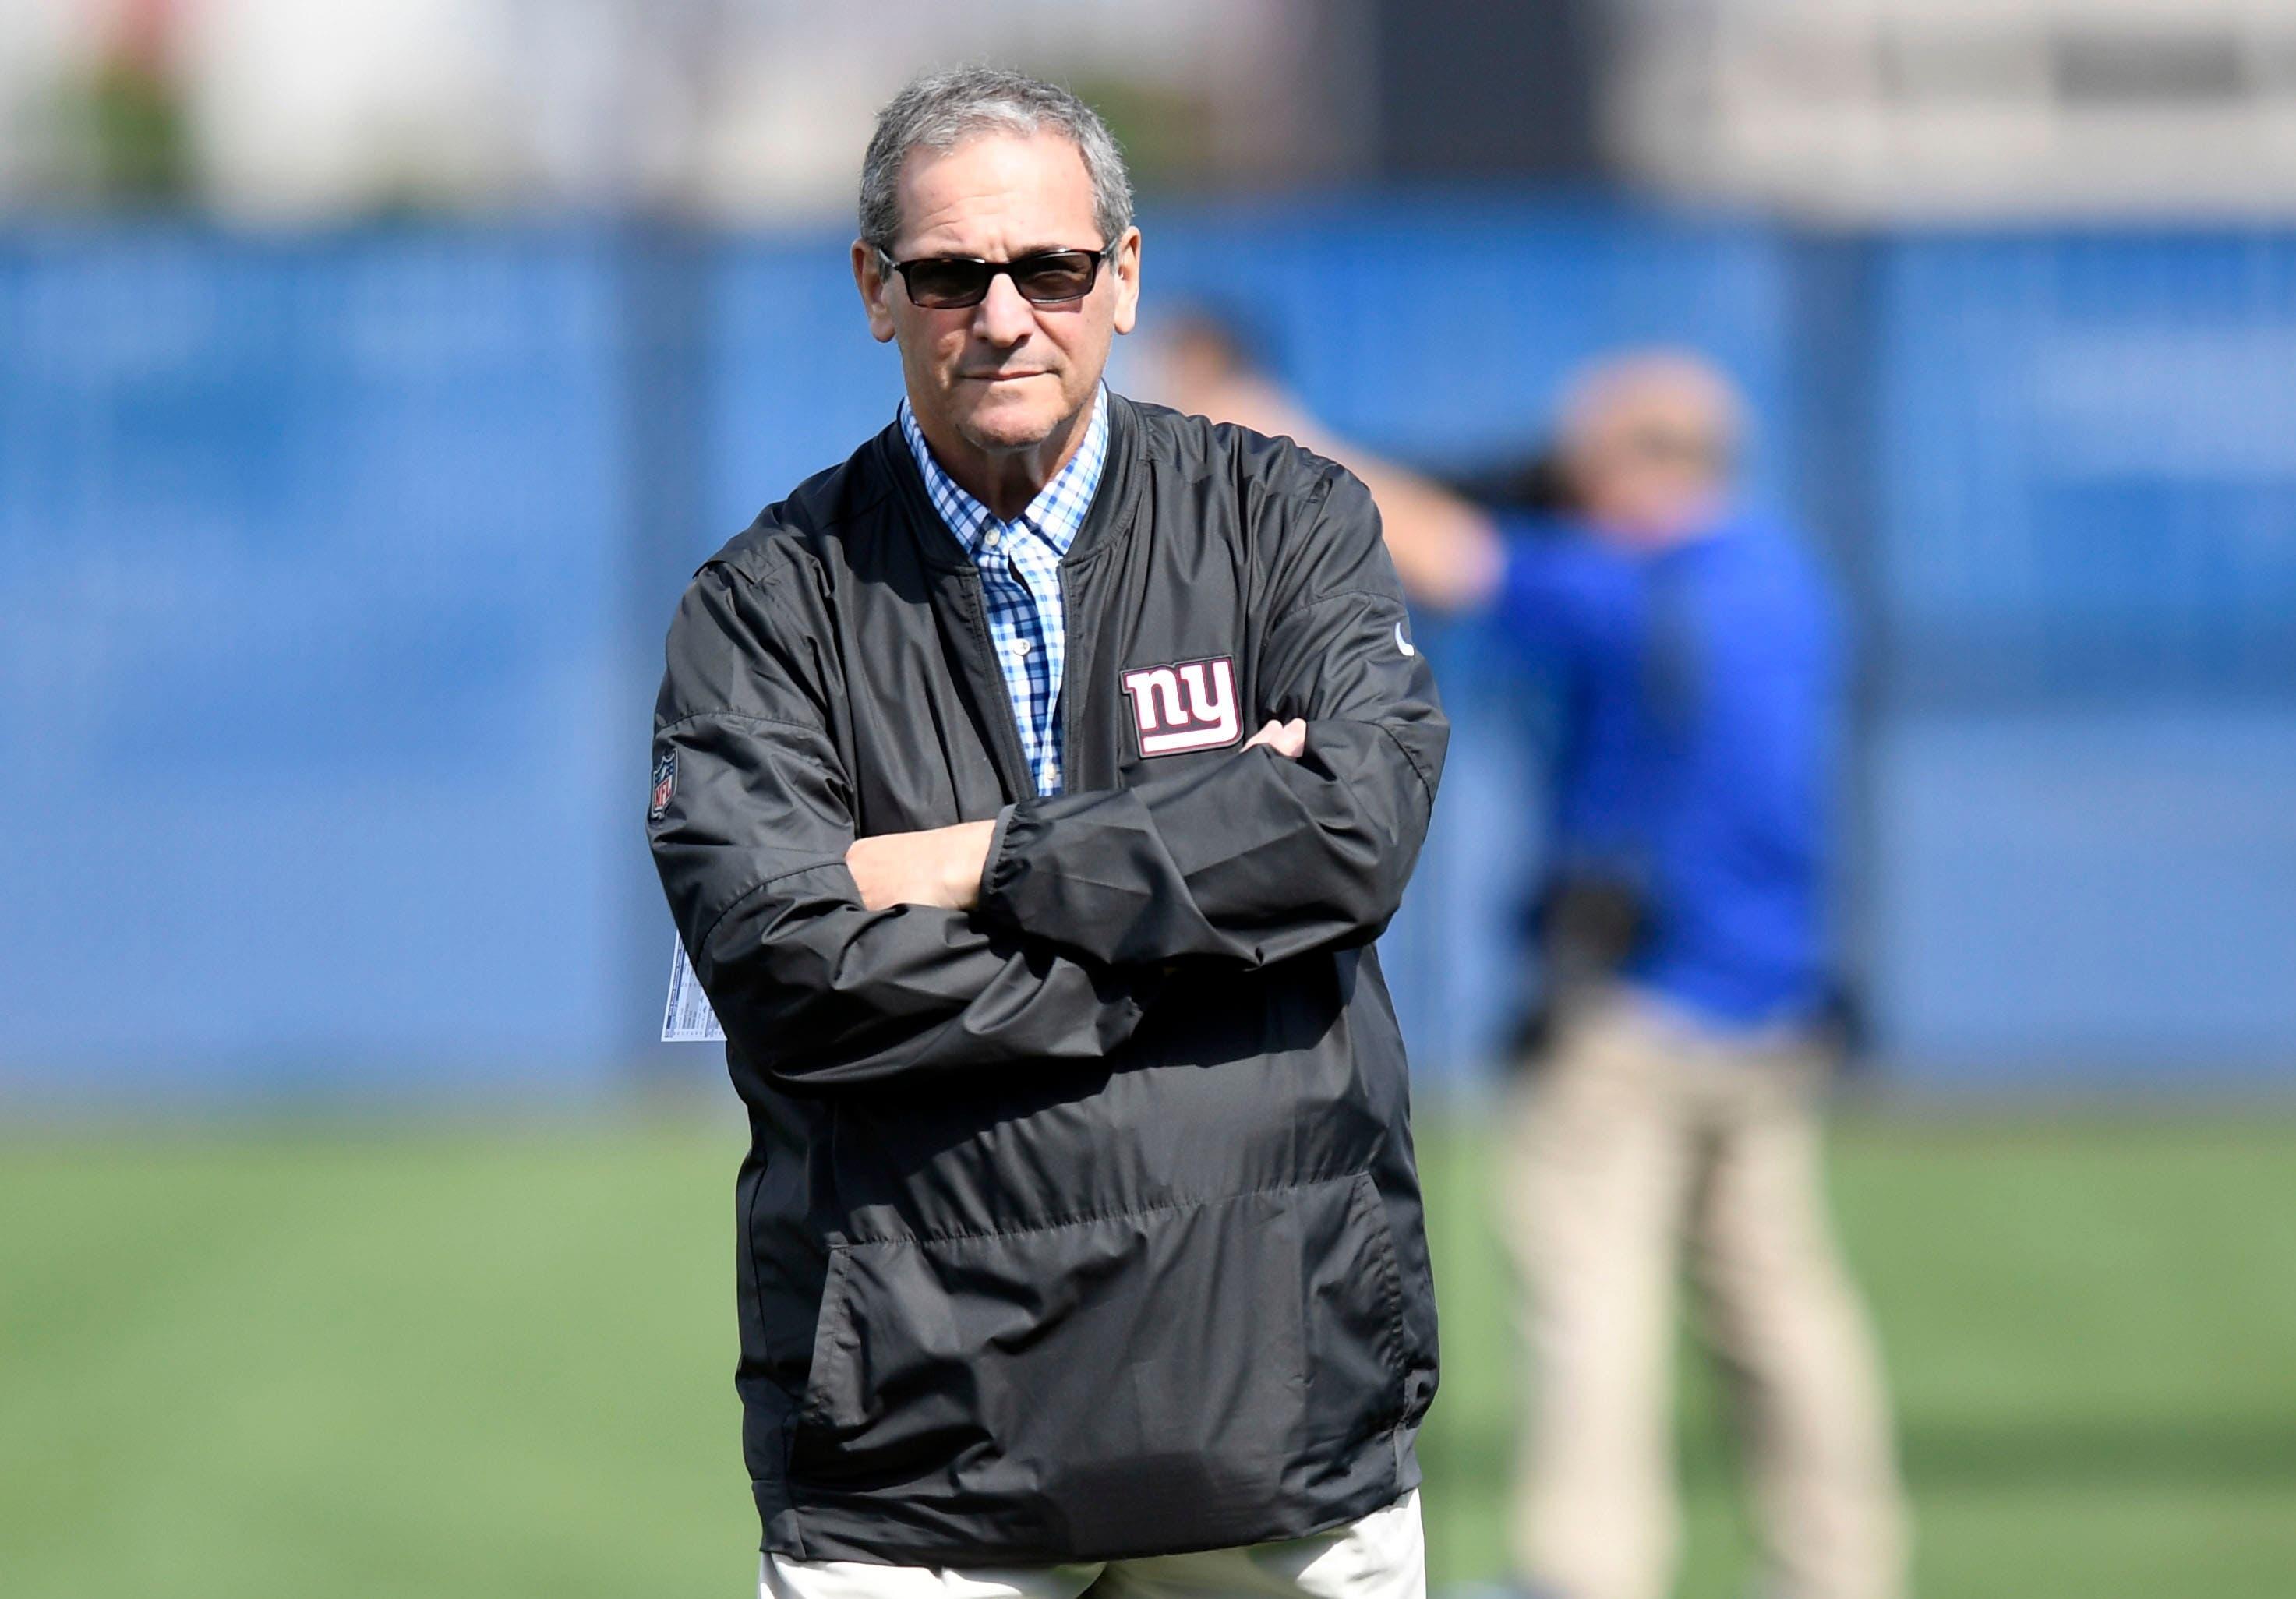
(1084, 1225)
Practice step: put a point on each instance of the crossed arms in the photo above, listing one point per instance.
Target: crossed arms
(835, 960)
(941, 867)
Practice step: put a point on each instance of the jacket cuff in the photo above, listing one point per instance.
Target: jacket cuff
(996, 848)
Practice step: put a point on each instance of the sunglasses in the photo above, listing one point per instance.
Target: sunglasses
(1050, 277)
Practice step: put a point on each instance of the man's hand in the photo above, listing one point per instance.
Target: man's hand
(941, 867)
(1285, 738)
(938, 866)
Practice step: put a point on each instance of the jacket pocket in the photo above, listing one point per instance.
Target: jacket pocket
(1356, 1360)
(832, 1341)
(1170, 1378)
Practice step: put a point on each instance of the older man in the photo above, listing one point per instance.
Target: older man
(1080, 1234)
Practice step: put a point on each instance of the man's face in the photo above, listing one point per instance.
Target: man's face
(1641, 482)
(1647, 450)
(1005, 375)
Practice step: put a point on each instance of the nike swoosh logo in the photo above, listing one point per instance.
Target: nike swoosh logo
(1402, 642)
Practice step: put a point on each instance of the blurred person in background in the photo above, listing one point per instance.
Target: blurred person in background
(1081, 1234)
(1671, 1087)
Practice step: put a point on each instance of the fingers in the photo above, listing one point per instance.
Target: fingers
(1288, 739)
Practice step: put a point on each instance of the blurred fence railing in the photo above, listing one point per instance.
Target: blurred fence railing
(333, 569)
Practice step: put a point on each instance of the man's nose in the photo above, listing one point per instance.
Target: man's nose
(1004, 318)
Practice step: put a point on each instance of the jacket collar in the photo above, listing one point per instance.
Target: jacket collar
(1112, 507)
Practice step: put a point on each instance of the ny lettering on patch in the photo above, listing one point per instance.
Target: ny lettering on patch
(1188, 705)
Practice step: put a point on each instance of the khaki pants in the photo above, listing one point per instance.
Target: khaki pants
(1382, 1555)
(1642, 1140)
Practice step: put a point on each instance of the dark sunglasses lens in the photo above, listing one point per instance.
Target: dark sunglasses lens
(1061, 274)
(942, 285)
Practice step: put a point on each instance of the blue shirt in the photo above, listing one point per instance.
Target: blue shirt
(1703, 700)
(1020, 562)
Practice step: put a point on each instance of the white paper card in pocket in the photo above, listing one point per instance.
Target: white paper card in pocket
(687, 1017)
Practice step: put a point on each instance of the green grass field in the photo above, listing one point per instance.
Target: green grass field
(472, 1362)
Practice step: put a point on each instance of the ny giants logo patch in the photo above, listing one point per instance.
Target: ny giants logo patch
(665, 784)
(1187, 705)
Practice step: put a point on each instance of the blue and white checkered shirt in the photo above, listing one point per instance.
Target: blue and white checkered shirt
(1019, 563)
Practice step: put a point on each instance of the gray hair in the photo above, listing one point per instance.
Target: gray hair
(937, 110)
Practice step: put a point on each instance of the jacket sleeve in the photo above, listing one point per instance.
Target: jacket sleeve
(1256, 857)
(813, 989)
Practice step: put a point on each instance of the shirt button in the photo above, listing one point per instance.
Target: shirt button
(1020, 646)
(991, 539)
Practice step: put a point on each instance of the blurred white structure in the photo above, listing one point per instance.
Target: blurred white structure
(735, 108)
(1941, 108)
(754, 109)
(43, 44)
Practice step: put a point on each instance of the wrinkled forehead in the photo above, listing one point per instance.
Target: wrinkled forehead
(997, 193)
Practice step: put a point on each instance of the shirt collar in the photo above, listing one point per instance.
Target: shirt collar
(1056, 515)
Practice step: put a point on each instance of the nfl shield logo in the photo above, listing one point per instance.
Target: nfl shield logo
(665, 784)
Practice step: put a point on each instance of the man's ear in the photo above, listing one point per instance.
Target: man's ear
(871, 277)
(1125, 265)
